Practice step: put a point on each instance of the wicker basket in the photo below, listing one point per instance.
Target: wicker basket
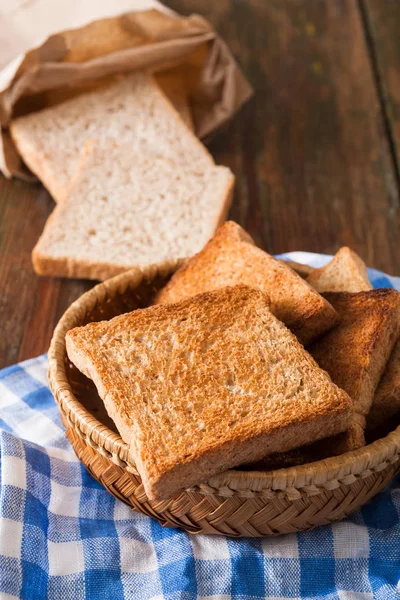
(235, 503)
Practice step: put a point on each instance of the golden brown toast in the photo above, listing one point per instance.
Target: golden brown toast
(206, 384)
(385, 409)
(301, 269)
(231, 258)
(346, 272)
(355, 353)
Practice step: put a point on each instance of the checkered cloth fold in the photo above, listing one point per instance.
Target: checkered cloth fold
(62, 536)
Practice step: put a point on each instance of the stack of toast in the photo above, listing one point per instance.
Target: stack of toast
(242, 361)
(133, 184)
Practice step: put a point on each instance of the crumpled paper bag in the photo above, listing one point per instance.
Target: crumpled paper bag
(55, 49)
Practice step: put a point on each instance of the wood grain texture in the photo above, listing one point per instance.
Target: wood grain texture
(30, 306)
(382, 22)
(313, 162)
(310, 152)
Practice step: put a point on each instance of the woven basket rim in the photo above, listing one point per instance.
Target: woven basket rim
(293, 482)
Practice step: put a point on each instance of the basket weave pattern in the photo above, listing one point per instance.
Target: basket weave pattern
(235, 503)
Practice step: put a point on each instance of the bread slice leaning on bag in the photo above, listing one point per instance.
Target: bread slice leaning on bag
(131, 110)
(231, 258)
(206, 384)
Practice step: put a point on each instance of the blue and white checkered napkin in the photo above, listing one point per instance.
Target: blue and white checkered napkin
(62, 536)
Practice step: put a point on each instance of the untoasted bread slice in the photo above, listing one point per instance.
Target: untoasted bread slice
(355, 353)
(346, 272)
(131, 210)
(173, 85)
(334, 445)
(231, 258)
(206, 384)
(386, 403)
(132, 110)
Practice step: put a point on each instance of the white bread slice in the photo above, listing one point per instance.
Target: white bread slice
(231, 258)
(171, 82)
(346, 272)
(206, 384)
(132, 110)
(129, 209)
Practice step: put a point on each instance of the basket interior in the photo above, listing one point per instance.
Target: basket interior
(132, 297)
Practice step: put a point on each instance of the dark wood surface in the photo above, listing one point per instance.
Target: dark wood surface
(382, 23)
(315, 152)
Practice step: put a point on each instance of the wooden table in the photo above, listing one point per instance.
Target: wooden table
(316, 152)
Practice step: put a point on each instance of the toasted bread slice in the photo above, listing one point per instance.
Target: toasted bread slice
(355, 353)
(386, 403)
(334, 445)
(231, 258)
(300, 268)
(131, 210)
(132, 110)
(206, 384)
(346, 272)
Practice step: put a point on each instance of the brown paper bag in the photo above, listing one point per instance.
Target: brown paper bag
(98, 40)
